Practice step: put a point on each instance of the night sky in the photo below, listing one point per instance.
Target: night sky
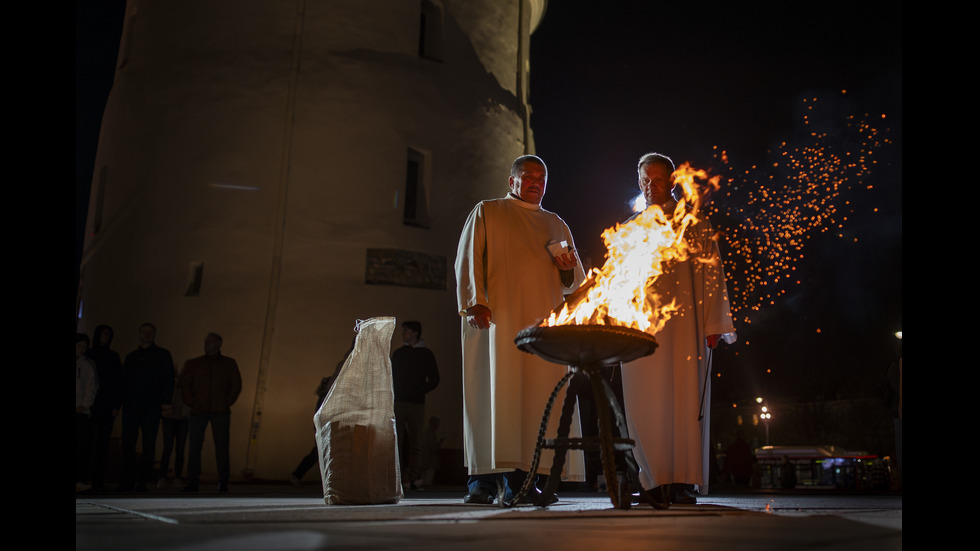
(98, 27)
(613, 80)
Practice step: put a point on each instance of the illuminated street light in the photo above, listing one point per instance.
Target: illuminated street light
(765, 416)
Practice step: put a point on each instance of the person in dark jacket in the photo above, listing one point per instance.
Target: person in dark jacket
(210, 384)
(108, 401)
(148, 388)
(414, 373)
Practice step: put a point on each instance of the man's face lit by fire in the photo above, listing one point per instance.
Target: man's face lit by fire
(530, 183)
(655, 183)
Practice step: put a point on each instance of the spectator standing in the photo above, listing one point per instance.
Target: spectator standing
(210, 384)
(148, 388)
(108, 400)
(414, 374)
(86, 386)
(739, 461)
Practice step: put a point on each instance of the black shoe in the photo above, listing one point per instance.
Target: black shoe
(658, 497)
(191, 486)
(480, 495)
(125, 487)
(534, 497)
(682, 495)
(222, 486)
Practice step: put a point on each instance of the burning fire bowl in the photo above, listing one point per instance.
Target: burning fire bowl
(586, 345)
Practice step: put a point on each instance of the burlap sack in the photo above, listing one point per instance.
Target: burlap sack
(355, 425)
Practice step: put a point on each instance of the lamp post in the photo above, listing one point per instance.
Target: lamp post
(765, 416)
(765, 419)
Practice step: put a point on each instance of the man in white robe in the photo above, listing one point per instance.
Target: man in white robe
(514, 264)
(667, 394)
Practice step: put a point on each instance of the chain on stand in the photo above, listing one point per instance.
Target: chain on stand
(529, 479)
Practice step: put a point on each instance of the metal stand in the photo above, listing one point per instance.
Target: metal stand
(608, 443)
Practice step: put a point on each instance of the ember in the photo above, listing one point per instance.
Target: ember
(804, 188)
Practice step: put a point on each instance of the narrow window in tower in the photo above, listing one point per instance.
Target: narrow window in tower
(430, 30)
(416, 201)
(194, 273)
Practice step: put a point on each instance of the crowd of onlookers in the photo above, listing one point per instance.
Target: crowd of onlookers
(149, 393)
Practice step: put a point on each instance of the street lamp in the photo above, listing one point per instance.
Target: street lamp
(765, 416)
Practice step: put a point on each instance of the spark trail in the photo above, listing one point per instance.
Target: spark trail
(767, 213)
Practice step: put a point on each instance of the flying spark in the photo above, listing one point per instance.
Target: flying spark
(767, 213)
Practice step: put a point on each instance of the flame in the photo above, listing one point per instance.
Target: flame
(622, 291)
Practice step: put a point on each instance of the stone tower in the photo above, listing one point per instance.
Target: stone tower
(274, 171)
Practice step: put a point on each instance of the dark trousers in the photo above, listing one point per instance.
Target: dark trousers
(101, 434)
(307, 462)
(409, 422)
(136, 423)
(174, 439)
(220, 431)
(83, 447)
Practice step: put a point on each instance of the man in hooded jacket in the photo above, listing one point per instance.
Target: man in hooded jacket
(108, 400)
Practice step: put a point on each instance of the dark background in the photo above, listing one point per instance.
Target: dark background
(613, 80)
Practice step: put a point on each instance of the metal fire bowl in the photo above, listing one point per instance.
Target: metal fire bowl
(586, 345)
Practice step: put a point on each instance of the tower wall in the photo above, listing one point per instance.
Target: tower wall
(266, 144)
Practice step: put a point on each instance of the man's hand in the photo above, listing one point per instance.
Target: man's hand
(566, 261)
(478, 316)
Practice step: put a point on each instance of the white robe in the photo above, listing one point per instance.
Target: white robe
(665, 393)
(502, 263)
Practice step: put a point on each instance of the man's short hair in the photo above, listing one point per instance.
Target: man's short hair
(148, 324)
(217, 336)
(80, 337)
(515, 169)
(652, 158)
(414, 326)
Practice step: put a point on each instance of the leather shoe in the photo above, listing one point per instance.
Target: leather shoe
(658, 497)
(532, 498)
(682, 495)
(479, 495)
(222, 486)
(192, 486)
